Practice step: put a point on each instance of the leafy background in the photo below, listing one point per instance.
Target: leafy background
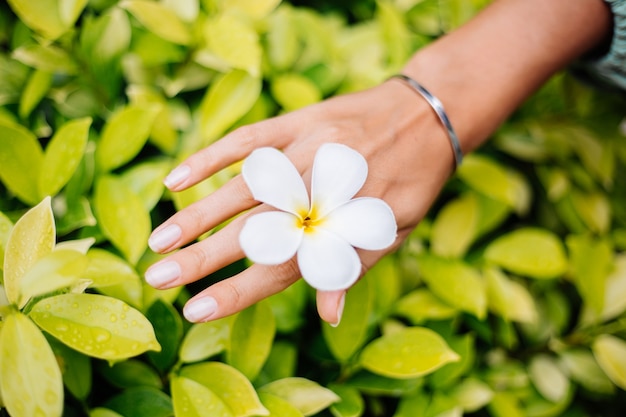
(507, 300)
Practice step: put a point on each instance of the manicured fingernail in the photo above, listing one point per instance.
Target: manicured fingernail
(162, 273)
(177, 176)
(200, 310)
(164, 238)
(340, 305)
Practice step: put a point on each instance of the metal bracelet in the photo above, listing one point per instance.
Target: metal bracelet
(437, 106)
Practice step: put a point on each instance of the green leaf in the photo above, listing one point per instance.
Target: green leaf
(234, 40)
(43, 17)
(533, 252)
(582, 367)
(21, 158)
(591, 264)
(378, 385)
(96, 325)
(409, 353)
(282, 39)
(471, 394)
(192, 399)
(204, 340)
(168, 328)
(509, 298)
(351, 403)
(229, 384)
(48, 58)
(29, 374)
(146, 180)
(131, 373)
(455, 282)
(31, 239)
(594, 209)
(293, 91)
(62, 268)
(160, 20)
(75, 368)
(124, 134)
(307, 396)
(289, 306)
(279, 407)
(6, 226)
(122, 217)
(345, 339)
(107, 269)
(38, 85)
(505, 404)
(421, 305)
(227, 101)
(256, 9)
(610, 352)
(63, 155)
(454, 228)
(103, 412)
(251, 339)
(281, 363)
(614, 295)
(548, 378)
(493, 180)
(141, 402)
(448, 375)
(70, 10)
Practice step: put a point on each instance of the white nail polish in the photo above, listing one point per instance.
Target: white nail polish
(178, 175)
(200, 310)
(162, 274)
(165, 238)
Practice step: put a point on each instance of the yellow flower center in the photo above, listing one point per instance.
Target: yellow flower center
(308, 221)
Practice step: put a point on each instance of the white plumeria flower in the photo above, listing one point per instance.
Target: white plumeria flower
(322, 231)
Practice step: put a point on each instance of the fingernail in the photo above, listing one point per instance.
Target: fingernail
(177, 176)
(165, 237)
(340, 305)
(200, 310)
(162, 273)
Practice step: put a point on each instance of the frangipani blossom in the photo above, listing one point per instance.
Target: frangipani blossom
(324, 230)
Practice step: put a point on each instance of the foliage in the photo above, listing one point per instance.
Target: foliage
(509, 299)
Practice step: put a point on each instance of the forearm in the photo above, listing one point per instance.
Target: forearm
(484, 70)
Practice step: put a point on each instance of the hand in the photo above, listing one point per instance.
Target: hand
(409, 159)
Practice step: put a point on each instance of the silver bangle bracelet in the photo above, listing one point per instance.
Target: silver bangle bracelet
(437, 106)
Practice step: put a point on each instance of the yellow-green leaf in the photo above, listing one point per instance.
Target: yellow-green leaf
(293, 91)
(49, 58)
(38, 85)
(31, 239)
(229, 384)
(594, 209)
(42, 16)
(114, 277)
(192, 399)
(55, 271)
(256, 9)
(455, 226)
(533, 252)
(5, 231)
(307, 396)
(509, 298)
(283, 43)
(204, 340)
(226, 101)
(421, 305)
(472, 394)
(103, 412)
(96, 325)
(235, 41)
(493, 180)
(610, 352)
(351, 404)
(122, 217)
(409, 353)
(279, 407)
(146, 180)
(70, 10)
(160, 20)
(29, 374)
(591, 263)
(344, 340)
(63, 155)
(548, 378)
(124, 134)
(582, 367)
(455, 282)
(614, 295)
(251, 339)
(21, 158)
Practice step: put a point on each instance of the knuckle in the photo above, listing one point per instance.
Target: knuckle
(286, 273)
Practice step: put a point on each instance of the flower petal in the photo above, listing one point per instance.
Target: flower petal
(274, 180)
(367, 223)
(327, 262)
(270, 238)
(338, 173)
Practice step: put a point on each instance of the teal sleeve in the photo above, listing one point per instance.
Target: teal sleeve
(610, 68)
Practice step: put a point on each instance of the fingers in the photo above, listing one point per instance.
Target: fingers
(241, 291)
(330, 306)
(231, 148)
(186, 225)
